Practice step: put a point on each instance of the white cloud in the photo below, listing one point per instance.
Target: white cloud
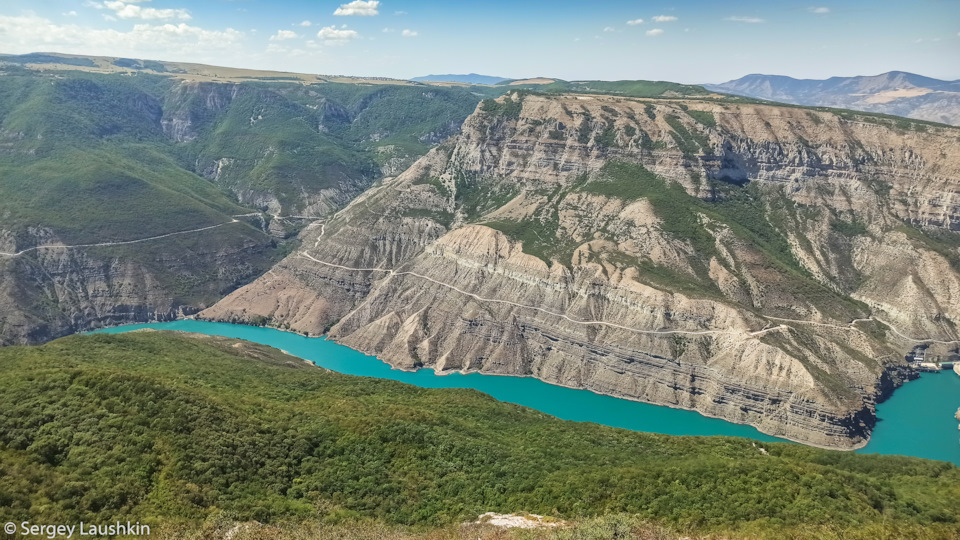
(30, 32)
(284, 34)
(363, 8)
(409, 33)
(305, 23)
(751, 20)
(331, 35)
(664, 18)
(655, 32)
(387, 30)
(399, 13)
(126, 10)
(70, 14)
(820, 10)
(609, 29)
(635, 22)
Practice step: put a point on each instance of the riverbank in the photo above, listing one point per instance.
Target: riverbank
(565, 403)
(246, 433)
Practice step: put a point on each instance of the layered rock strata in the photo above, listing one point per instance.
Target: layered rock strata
(766, 265)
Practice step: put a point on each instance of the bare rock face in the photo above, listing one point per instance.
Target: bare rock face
(189, 103)
(766, 265)
(55, 291)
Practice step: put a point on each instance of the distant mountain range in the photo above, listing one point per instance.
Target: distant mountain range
(896, 92)
(471, 78)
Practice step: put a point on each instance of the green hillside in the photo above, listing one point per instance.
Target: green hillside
(178, 429)
(84, 157)
(639, 89)
(142, 137)
(93, 158)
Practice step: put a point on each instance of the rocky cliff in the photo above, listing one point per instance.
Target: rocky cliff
(767, 265)
(55, 291)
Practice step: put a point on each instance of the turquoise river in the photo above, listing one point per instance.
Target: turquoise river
(916, 421)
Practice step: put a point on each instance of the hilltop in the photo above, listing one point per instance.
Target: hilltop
(471, 78)
(195, 432)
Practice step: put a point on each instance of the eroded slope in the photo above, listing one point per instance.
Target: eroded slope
(756, 263)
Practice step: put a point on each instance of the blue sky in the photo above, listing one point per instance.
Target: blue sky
(684, 41)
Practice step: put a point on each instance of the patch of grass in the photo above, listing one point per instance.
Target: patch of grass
(690, 143)
(672, 204)
(704, 117)
(663, 277)
(475, 197)
(441, 188)
(539, 236)
(507, 108)
(607, 138)
(440, 216)
(943, 242)
(849, 228)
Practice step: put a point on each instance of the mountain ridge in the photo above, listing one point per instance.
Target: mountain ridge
(470, 78)
(896, 92)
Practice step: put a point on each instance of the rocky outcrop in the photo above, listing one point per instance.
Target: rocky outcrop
(52, 292)
(756, 263)
(191, 106)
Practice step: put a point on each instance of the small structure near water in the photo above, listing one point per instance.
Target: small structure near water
(921, 360)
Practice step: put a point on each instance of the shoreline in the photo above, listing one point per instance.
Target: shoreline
(784, 439)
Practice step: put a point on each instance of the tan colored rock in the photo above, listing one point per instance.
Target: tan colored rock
(603, 295)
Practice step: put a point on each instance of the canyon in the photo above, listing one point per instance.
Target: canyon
(764, 264)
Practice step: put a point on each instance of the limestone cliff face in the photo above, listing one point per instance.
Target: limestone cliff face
(762, 264)
(53, 292)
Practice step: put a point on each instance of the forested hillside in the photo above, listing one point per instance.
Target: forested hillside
(180, 429)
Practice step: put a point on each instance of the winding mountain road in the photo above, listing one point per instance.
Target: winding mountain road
(121, 243)
(535, 308)
(850, 326)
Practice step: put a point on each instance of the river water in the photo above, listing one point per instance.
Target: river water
(916, 421)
